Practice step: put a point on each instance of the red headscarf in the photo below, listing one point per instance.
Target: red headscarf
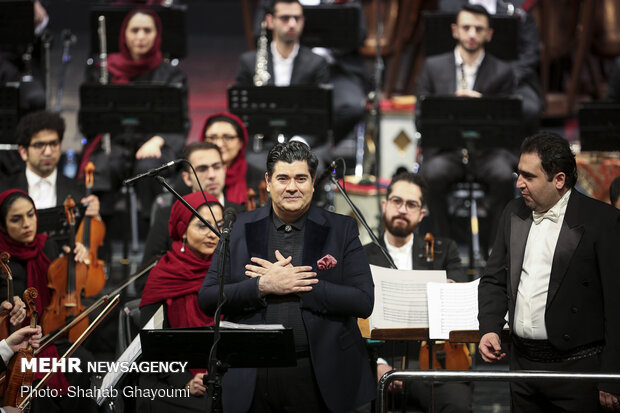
(178, 276)
(37, 262)
(236, 187)
(122, 67)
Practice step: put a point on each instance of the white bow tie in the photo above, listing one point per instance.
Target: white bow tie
(551, 215)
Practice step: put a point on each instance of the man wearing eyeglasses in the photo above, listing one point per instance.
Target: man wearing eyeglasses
(288, 63)
(206, 159)
(39, 136)
(403, 210)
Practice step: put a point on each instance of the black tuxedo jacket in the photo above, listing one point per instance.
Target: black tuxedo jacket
(446, 257)
(64, 186)
(438, 77)
(582, 302)
(329, 312)
(308, 68)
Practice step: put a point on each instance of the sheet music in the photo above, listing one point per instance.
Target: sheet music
(131, 353)
(452, 306)
(228, 324)
(400, 297)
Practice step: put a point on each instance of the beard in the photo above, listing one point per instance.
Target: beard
(398, 229)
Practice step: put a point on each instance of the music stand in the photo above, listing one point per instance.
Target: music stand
(599, 126)
(135, 108)
(470, 124)
(270, 348)
(332, 26)
(9, 113)
(173, 21)
(438, 35)
(16, 22)
(293, 110)
(53, 222)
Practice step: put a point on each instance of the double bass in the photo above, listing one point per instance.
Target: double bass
(67, 279)
(91, 233)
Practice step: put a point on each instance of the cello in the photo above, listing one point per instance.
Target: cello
(91, 233)
(67, 279)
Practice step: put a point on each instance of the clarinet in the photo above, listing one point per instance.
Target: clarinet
(261, 74)
(103, 74)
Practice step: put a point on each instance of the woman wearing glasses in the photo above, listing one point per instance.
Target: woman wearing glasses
(174, 283)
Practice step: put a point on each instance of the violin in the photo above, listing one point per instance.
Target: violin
(5, 315)
(446, 355)
(17, 378)
(91, 233)
(250, 197)
(67, 279)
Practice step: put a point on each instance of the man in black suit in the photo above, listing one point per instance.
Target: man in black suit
(39, 136)
(468, 72)
(403, 210)
(554, 268)
(288, 63)
(304, 267)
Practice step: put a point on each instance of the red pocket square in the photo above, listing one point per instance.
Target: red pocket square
(326, 263)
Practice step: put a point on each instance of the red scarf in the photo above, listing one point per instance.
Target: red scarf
(37, 264)
(32, 254)
(236, 187)
(178, 276)
(122, 67)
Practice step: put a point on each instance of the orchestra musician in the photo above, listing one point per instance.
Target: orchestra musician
(403, 210)
(174, 283)
(30, 259)
(139, 61)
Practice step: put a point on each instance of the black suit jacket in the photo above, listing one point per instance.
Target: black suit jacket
(64, 186)
(446, 257)
(329, 312)
(582, 302)
(308, 68)
(438, 77)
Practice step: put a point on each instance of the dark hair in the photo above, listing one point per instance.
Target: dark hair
(222, 118)
(35, 122)
(412, 179)
(475, 9)
(272, 5)
(555, 155)
(7, 203)
(614, 190)
(289, 153)
(199, 146)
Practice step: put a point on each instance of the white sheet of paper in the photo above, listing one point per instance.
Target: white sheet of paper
(400, 297)
(452, 306)
(131, 353)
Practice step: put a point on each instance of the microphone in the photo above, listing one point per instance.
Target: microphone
(229, 219)
(153, 172)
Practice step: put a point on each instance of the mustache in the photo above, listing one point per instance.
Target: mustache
(403, 217)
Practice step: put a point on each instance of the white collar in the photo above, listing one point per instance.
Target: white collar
(277, 56)
(556, 212)
(397, 250)
(459, 60)
(34, 178)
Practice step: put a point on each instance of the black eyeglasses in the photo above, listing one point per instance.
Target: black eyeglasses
(40, 146)
(410, 205)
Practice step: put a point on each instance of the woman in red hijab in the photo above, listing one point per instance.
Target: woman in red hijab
(228, 132)
(139, 60)
(174, 283)
(30, 259)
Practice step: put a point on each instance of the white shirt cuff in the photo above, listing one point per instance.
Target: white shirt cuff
(5, 352)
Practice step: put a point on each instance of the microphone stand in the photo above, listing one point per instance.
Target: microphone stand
(361, 218)
(213, 380)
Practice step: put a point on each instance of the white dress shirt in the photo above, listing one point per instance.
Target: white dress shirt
(468, 72)
(490, 5)
(283, 67)
(529, 319)
(402, 256)
(42, 190)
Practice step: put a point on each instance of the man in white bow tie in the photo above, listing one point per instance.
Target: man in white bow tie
(554, 268)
